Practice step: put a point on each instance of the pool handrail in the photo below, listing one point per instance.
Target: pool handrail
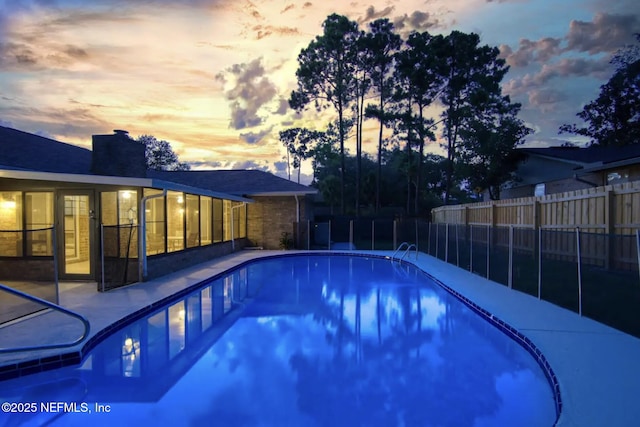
(407, 249)
(411, 246)
(52, 306)
(400, 246)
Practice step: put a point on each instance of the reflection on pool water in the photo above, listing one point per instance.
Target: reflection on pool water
(317, 340)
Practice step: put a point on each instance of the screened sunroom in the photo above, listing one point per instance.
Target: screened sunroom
(110, 229)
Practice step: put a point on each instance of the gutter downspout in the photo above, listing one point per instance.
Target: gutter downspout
(142, 241)
(297, 209)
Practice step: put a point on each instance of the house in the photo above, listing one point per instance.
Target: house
(71, 209)
(559, 169)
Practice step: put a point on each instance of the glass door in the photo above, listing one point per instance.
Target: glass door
(76, 258)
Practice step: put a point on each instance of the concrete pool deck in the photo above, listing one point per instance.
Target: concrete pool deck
(598, 367)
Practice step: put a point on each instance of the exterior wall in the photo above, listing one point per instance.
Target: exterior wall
(634, 173)
(535, 170)
(27, 269)
(556, 186)
(270, 216)
(161, 265)
(626, 174)
(572, 184)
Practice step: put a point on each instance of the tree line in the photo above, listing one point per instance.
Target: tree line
(375, 74)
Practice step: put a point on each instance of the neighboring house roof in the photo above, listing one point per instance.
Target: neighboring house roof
(593, 155)
(557, 163)
(22, 150)
(239, 182)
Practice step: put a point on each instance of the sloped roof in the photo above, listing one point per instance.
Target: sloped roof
(238, 182)
(28, 152)
(587, 156)
(22, 150)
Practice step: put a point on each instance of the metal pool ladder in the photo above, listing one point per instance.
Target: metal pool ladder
(52, 306)
(407, 247)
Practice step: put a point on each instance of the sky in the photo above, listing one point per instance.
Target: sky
(213, 77)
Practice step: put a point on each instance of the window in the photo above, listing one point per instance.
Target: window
(127, 207)
(193, 220)
(155, 222)
(109, 207)
(10, 223)
(39, 217)
(226, 219)
(239, 221)
(205, 220)
(218, 217)
(175, 221)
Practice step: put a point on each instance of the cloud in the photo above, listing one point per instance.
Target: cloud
(205, 165)
(566, 67)
(262, 31)
(531, 51)
(280, 166)
(605, 33)
(283, 107)
(250, 90)
(546, 99)
(6, 123)
(418, 21)
(251, 164)
(255, 137)
(371, 14)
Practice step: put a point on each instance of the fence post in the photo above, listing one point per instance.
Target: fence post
(417, 236)
(539, 263)
(437, 238)
(488, 243)
(373, 234)
(446, 243)
(429, 238)
(536, 221)
(329, 242)
(457, 247)
(579, 271)
(102, 256)
(308, 234)
(55, 262)
(510, 280)
(350, 235)
(471, 248)
(395, 236)
(609, 221)
(638, 249)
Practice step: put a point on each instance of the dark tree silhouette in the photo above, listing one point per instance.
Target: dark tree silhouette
(326, 75)
(614, 117)
(160, 155)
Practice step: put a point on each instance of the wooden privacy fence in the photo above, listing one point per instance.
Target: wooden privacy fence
(613, 209)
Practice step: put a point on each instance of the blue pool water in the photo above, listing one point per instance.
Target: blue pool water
(299, 341)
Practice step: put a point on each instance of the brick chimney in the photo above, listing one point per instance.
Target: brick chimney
(118, 155)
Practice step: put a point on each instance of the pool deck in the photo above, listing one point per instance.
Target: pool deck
(598, 367)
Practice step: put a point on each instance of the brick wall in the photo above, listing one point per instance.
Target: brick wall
(270, 216)
(26, 269)
(161, 265)
(117, 155)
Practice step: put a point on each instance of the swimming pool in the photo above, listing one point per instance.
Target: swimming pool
(312, 340)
